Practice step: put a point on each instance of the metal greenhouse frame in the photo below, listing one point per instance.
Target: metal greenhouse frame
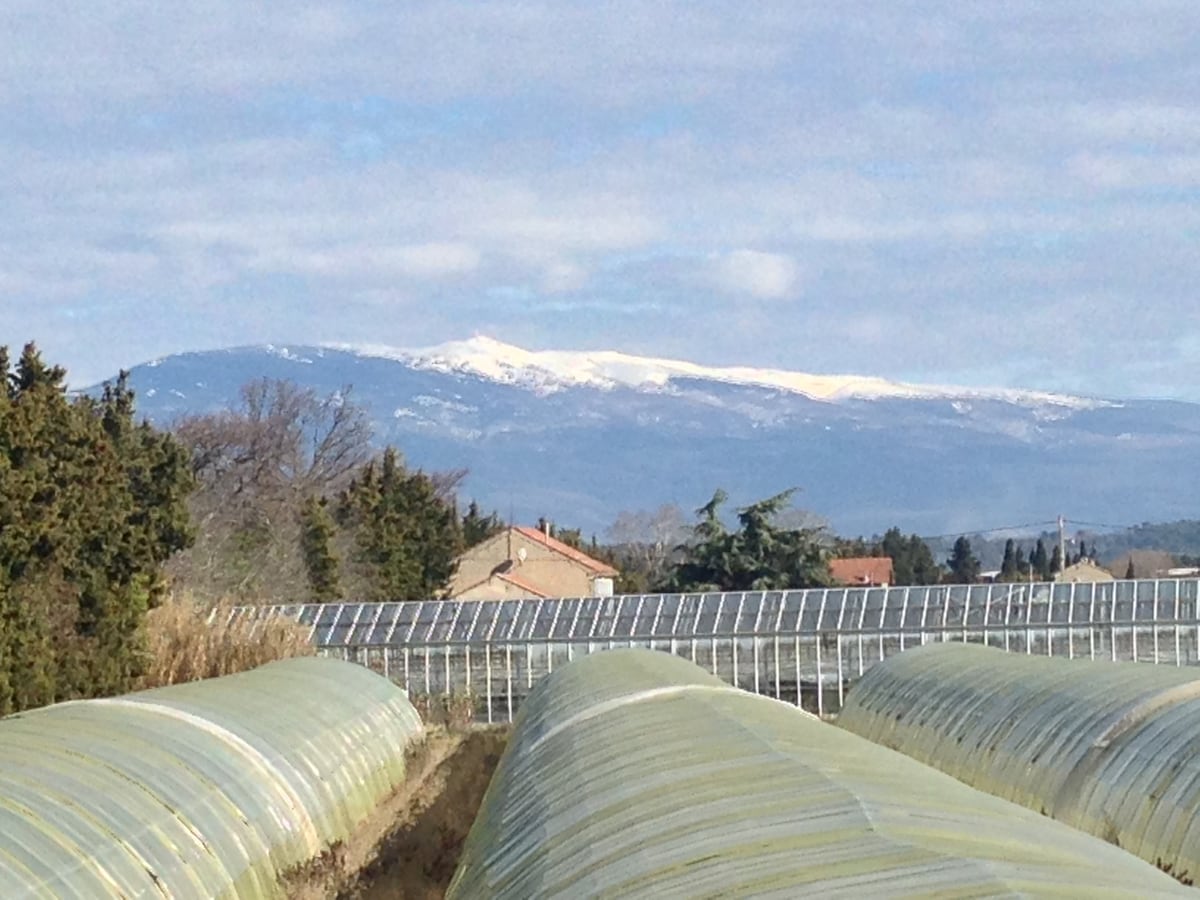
(804, 647)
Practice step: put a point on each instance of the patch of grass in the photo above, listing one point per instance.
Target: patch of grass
(182, 646)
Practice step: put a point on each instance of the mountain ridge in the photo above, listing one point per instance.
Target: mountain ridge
(579, 437)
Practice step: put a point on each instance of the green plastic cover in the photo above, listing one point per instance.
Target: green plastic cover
(632, 773)
(207, 789)
(1110, 748)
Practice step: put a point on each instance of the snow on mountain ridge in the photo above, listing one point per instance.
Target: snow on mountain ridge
(552, 370)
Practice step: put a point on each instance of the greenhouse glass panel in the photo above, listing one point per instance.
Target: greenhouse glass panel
(793, 604)
(468, 622)
(568, 613)
(810, 611)
(1060, 604)
(546, 612)
(852, 608)
(338, 633)
(727, 613)
(444, 614)
(360, 632)
(749, 609)
(832, 602)
(896, 606)
(309, 612)
(1123, 604)
(1167, 592)
(978, 600)
(384, 624)
(669, 619)
(921, 607)
(875, 603)
(607, 611)
(523, 626)
(1082, 604)
(628, 615)
(770, 610)
(427, 615)
(706, 620)
(506, 617)
(1039, 607)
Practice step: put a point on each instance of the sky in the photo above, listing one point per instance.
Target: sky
(948, 191)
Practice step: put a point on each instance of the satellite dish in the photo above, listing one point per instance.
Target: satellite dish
(521, 554)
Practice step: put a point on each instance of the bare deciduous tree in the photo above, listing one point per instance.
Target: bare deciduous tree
(255, 465)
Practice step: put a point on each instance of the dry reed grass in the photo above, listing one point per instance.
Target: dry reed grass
(182, 645)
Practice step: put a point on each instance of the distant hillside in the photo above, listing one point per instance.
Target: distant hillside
(580, 437)
(1180, 539)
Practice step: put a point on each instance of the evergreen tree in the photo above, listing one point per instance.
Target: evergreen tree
(1130, 574)
(1008, 567)
(963, 565)
(1040, 561)
(477, 528)
(1056, 560)
(1021, 564)
(760, 555)
(316, 545)
(912, 560)
(925, 569)
(406, 536)
(93, 504)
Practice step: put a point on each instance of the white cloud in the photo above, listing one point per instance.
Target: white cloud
(768, 276)
(186, 179)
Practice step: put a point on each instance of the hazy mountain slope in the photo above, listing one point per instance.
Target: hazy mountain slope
(579, 437)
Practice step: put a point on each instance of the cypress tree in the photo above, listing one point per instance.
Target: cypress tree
(963, 565)
(320, 562)
(1008, 567)
(1040, 560)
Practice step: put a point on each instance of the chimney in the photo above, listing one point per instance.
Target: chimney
(546, 527)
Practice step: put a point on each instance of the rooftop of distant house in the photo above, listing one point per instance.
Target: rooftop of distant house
(862, 571)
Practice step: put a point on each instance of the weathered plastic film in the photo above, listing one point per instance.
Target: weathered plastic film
(634, 773)
(208, 789)
(1109, 748)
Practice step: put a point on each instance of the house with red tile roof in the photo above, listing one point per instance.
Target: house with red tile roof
(522, 562)
(862, 571)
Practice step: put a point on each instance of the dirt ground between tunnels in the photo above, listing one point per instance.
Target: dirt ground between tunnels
(408, 848)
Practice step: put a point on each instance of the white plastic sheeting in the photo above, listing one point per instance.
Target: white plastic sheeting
(208, 789)
(632, 773)
(1110, 748)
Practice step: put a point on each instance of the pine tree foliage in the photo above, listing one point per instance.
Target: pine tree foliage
(91, 505)
(406, 535)
(759, 555)
(477, 528)
(317, 531)
(963, 565)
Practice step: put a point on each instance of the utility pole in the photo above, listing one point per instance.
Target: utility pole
(1062, 542)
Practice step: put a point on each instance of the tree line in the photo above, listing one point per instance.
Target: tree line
(282, 498)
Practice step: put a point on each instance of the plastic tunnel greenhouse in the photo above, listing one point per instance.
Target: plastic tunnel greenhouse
(208, 789)
(1109, 748)
(633, 773)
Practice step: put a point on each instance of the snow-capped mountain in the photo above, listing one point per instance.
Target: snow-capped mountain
(551, 370)
(580, 436)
